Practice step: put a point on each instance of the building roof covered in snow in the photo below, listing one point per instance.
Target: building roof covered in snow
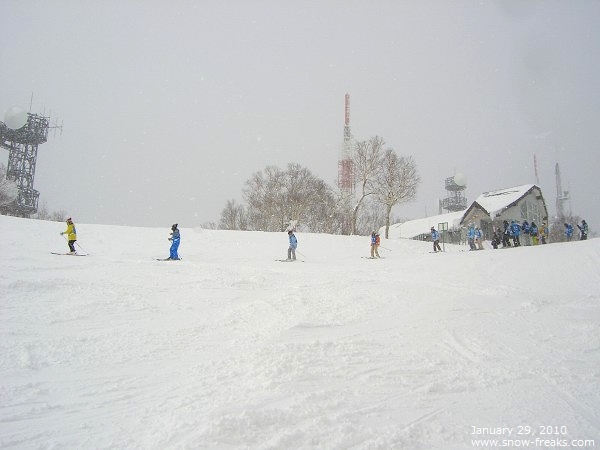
(497, 201)
(494, 203)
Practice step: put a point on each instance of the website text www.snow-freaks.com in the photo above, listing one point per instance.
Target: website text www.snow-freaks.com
(532, 443)
(526, 436)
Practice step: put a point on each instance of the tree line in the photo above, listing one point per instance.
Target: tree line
(276, 197)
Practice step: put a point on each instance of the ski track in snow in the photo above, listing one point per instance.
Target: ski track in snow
(229, 348)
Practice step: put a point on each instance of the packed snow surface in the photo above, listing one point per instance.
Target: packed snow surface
(230, 349)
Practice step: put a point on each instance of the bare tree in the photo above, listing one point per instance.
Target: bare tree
(370, 217)
(58, 216)
(233, 216)
(263, 192)
(275, 197)
(397, 182)
(367, 156)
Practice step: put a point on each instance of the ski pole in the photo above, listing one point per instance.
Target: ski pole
(81, 248)
(77, 244)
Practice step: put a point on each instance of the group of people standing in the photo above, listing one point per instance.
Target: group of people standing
(516, 232)
(583, 231)
(511, 235)
(474, 237)
(513, 231)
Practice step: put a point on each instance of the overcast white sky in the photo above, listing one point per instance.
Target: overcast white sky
(169, 106)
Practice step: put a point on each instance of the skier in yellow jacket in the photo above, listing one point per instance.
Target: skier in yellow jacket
(71, 235)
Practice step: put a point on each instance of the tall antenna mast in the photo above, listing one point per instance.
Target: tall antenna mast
(537, 178)
(345, 164)
(562, 197)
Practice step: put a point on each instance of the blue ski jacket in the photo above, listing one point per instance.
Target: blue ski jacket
(515, 228)
(569, 230)
(471, 233)
(293, 241)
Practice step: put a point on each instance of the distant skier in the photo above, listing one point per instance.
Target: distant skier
(374, 245)
(583, 229)
(435, 238)
(175, 238)
(506, 235)
(71, 235)
(293, 244)
(526, 228)
(496, 239)
(568, 232)
(479, 238)
(471, 237)
(515, 229)
(543, 232)
(534, 232)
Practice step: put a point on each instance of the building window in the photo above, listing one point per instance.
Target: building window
(524, 210)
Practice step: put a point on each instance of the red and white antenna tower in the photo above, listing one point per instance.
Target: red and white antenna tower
(345, 164)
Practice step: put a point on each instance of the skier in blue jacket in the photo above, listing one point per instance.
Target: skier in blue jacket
(471, 237)
(516, 231)
(568, 231)
(534, 233)
(435, 238)
(175, 238)
(375, 241)
(292, 247)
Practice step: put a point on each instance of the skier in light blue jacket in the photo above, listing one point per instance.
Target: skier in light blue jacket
(435, 238)
(568, 231)
(471, 237)
(292, 247)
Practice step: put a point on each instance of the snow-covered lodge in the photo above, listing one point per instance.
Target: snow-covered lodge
(488, 211)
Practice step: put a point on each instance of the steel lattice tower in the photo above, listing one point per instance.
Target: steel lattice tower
(22, 145)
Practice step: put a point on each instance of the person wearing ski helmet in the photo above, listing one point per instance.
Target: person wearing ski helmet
(291, 254)
(583, 228)
(568, 231)
(174, 238)
(543, 233)
(515, 228)
(71, 235)
(534, 233)
(506, 235)
(435, 238)
(471, 237)
(374, 245)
